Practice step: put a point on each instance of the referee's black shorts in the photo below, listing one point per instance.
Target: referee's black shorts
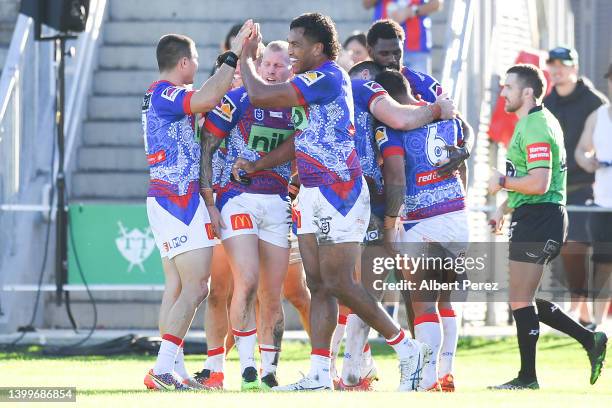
(537, 232)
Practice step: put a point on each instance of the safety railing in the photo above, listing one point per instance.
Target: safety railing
(27, 138)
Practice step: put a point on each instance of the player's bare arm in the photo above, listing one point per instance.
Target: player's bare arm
(282, 154)
(406, 117)
(395, 190)
(208, 96)
(261, 94)
(209, 145)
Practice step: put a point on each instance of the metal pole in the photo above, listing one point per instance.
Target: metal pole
(61, 236)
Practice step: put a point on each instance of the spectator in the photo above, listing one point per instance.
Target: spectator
(356, 46)
(594, 155)
(572, 100)
(413, 15)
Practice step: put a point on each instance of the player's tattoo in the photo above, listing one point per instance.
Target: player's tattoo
(394, 199)
(209, 145)
(277, 331)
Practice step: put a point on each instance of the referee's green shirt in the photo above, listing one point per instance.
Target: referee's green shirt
(537, 142)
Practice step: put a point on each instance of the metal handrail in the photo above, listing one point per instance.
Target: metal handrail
(458, 36)
(12, 70)
(87, 45)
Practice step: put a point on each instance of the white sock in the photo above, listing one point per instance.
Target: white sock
(403, 345)
(215, 361)
(427, 330)
(356, 336)
(449, 342)
(245, 343)
(269, 359)
(338, 335)
(167, 352)
(179, 364)
(320, 366)
(366, 359)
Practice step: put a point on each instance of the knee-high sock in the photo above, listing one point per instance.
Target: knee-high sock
(427, 330)
(552, 315)
(527, 332)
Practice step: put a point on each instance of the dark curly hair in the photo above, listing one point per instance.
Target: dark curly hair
(319, 28)
(386, 30)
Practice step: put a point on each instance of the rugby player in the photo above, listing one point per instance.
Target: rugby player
(385, 47)
(536, 180)
(252, 216)
(433, 218)
(373, 102)
(333, 202)
(175, 210)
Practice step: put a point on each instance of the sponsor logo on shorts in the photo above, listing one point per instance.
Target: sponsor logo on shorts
(170, 93)
(537, 152)
(241, 221)
(372, 235)
(296, 217)
(325, 225)
(429, 177)
(311, 77)
(174, 243)
(209, 231)
(225, 109)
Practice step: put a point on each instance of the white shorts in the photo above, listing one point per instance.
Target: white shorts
(450, 230)
(316, 215)
(173, 236)
(266, 215)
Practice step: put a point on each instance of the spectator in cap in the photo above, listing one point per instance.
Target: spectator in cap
(572, 100)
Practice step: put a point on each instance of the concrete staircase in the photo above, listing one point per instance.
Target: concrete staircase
(111, 164)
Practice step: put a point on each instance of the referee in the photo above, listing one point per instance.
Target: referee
(536, 180)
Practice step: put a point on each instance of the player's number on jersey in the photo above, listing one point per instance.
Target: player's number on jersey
(435, 146)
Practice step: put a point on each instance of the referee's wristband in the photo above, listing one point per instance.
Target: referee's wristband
(502, 182)
(230, 59)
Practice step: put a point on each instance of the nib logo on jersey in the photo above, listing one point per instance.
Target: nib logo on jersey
(175, 243)
(135, 245)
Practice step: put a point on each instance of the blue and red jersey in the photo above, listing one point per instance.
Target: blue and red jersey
(172, 149)
(249, 133)
(417, 29)
(324, 142)
(364, 93)
(427, 194)
(423, 86)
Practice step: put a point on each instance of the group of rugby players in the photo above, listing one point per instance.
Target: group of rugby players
(355, 163)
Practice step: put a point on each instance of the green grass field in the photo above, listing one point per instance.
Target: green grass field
(563, 373)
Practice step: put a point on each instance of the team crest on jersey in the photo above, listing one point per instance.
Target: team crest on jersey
(225, 109)
(259, 114)
(380, 135)
(311, 77)
(170, 93)
(374, 86)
